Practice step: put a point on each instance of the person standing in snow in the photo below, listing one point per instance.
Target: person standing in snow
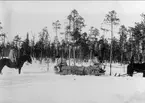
(95, 59)
(62, 62)
(12, 55)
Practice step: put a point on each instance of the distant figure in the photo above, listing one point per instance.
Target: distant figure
(12, 55)
(61, 62)
(95, 60)
(57, 58)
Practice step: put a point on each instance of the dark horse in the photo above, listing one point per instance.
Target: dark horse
(135, 67)
(20, 61)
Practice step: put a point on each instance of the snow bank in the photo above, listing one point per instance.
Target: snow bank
(38, 84)
(51, 88)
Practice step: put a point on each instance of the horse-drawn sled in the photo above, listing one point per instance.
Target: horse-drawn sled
(63, 69)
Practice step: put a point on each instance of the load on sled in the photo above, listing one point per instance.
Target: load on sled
(63, 69)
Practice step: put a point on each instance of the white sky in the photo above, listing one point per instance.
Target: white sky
(20, 17)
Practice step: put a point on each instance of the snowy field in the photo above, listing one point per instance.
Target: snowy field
(39, 84)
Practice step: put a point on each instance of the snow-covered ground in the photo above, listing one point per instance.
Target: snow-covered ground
(39, 84)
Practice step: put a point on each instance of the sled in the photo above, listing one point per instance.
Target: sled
(79, 70)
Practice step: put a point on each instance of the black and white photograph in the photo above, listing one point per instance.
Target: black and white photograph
(72, 51)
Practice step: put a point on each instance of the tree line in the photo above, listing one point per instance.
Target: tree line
(78, 45)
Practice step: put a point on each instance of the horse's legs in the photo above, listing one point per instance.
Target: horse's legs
(19, 70)
(1, 67)
(131, 74)
(130, 70)
(143, 74)
(0, 71)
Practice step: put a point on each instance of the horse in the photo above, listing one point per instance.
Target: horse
(135, 67)
(18, 65)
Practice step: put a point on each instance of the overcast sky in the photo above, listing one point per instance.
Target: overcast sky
(31, 16)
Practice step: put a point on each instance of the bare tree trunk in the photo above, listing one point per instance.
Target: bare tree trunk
(69, 55)
(143, 54)
(48, 60)
(139, 52)
(81, 57)
(90, 56)
(121, 57)
(74, 55)
(111, 48)
(131, 45)
(2, 52)
(41, 57)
